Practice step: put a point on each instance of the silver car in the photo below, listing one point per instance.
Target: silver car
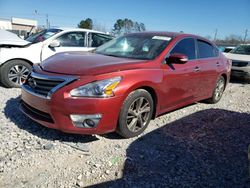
(240, 57)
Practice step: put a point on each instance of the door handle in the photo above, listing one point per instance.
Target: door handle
(197, 69)
(217, 64)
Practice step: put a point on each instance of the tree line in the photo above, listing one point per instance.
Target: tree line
(124, 26)
(121, 26)
(232, 40)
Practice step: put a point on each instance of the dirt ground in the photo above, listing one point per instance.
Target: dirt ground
(200, 145)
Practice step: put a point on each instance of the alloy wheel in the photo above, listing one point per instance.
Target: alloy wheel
(219, 89)
(138, 114)
(18, 74)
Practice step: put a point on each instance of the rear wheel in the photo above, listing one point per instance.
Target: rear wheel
(218, 91)
(14, 73)
(135, 114)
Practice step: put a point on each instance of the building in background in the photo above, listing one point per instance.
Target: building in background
(5, 24)
(20, 26)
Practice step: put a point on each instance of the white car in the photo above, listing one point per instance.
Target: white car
(240, 57)
(226, 49)
(17, 56)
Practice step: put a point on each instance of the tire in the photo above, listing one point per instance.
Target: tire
(13, 73)
(136, 113)
(218, 91)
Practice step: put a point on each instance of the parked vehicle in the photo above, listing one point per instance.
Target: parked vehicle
(240, 57)
(226, 49)
(8, 39)
(125, 83)
(18, 56)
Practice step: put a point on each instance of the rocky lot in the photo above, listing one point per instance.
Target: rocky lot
(198, 146)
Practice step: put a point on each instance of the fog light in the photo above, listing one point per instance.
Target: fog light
(90, 122)
(85, 120)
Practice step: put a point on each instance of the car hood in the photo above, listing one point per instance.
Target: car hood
(86, 63)
(8, 39)
(237, 57)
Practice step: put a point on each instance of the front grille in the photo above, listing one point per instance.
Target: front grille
(239, 63)
(35, 113)
(43, 85)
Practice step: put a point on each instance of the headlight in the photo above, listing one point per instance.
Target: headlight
(103, 88)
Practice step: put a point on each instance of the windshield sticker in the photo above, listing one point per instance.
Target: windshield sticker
(161, 38)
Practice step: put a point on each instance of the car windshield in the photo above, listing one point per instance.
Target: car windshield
(242, 49)
(42, 35)
(135, 46)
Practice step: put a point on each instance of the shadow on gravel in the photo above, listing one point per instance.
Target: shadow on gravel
(205, 149)
(1, 85)
(239, 80)
(13, 113)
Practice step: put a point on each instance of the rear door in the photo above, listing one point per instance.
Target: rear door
(210, 65)
(181, 81)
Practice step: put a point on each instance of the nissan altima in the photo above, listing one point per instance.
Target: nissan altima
(125, 83)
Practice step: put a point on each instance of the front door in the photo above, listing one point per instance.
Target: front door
(71, 41)
(181, 81)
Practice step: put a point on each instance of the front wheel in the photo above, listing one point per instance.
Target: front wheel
(135, 114)
(218, 91)
(14, 73)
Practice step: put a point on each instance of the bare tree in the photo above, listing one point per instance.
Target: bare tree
(123, 26)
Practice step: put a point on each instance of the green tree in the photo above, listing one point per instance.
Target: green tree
(86, 24)
(124, 26)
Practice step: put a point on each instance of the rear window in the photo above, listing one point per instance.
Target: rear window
(98, 39)
(206, 50)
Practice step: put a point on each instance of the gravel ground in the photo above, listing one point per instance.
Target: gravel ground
(198, 146)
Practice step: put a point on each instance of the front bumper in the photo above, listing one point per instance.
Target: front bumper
(55, 112)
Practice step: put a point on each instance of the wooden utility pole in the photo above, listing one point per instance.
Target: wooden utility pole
(215, 34)
(47, 21)
(245, 37)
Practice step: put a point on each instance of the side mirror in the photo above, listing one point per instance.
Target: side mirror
(54, 43)
(177, 58)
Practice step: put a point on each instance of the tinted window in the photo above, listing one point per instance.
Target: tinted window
(72, 39)
(186, 47)
(97, 39)
(206, 50)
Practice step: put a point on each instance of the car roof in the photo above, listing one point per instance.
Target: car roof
(247, 44)
(168, 34)
(77, 29)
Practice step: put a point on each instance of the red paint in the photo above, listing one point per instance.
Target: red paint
(173, 88)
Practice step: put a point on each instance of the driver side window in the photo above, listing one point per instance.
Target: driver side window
(186, 47)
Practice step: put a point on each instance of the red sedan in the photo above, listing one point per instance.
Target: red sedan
(125, 83)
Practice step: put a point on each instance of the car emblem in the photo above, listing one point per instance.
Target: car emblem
(32, 82)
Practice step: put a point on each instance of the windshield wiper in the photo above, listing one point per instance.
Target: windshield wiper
(112, 55)
(108, 54)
